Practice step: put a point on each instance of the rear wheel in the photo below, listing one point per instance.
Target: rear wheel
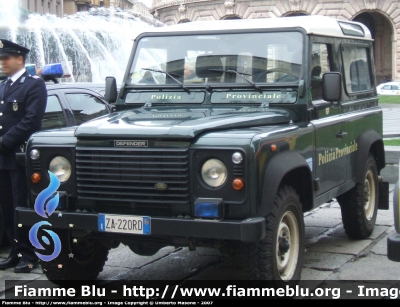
(279, 256)
(359, 206)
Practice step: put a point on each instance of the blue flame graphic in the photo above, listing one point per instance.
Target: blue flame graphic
(47, 195)
(33, 232)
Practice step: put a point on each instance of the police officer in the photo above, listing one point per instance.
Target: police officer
(23, 101)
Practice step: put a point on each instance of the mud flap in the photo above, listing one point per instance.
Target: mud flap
(393, 247)
(383, 196)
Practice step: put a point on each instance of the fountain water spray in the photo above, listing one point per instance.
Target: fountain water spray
(89, 45)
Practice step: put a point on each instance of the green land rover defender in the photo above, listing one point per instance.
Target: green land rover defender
(225, 133)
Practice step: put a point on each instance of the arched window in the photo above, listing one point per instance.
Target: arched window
(230, 17)
(381, 28)
(292, 14)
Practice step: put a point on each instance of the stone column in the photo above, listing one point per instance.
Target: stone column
(378, 54)
(37, 6)
(31, 5)
(24, 4)
(395, 52)
(60, 8)
(53, 7)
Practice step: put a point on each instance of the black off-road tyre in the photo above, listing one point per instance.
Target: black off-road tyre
(88, 260)
(359, 206)
(279, 256)
(3, 239)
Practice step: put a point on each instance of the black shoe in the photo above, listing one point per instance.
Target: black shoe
(25, 266)
(10, 262)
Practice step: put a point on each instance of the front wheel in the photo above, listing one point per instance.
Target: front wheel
(279, 256)
(79, 259)
(359, 206)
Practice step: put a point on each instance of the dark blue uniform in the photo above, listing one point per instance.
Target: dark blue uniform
(22, 108)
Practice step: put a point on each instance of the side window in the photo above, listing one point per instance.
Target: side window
(386, 87)
(53, 117)
(86, 107)
(319, 65)
(395, 87)
(357, 70)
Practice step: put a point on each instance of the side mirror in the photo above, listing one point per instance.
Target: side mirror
(332, 86)
(111, 90)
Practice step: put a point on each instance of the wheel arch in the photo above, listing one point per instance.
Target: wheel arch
(287, 168)
(369, 141)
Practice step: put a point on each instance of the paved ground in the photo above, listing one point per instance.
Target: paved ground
(391, 120)
(329, 254)
(391, 129)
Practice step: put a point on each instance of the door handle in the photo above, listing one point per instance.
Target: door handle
(341, 134)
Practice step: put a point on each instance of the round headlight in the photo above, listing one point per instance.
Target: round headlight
(214, 173)
(237, 158)
(60, 167)
(35, 154)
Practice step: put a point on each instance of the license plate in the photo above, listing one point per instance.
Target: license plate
(125, 224)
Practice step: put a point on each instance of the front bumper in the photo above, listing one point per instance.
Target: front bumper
(248, 230)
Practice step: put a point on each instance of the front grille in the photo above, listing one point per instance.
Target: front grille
(238, 171)
(36, 166)
(125, 180)
(142, 209)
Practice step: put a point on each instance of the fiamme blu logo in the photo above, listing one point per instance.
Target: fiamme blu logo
(45, 205)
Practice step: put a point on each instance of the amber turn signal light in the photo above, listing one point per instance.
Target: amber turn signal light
(273, 147)
(36, 177)
(238, 184)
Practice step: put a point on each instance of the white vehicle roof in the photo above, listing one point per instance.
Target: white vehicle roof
(389, 83)
(319, 25)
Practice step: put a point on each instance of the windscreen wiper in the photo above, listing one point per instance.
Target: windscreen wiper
(242, 74)
(171, 76)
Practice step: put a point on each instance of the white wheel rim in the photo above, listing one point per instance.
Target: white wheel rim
(369, 195)
(287, 245)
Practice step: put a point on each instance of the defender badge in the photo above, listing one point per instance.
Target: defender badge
(161, 186)
(15, 106)
(133, 143)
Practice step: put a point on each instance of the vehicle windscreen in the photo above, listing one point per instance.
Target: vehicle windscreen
(243, 58)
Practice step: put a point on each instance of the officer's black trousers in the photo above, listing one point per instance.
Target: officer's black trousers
(14, 193)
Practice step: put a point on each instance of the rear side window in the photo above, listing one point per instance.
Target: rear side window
(357, 70)
(86, 107)
(53, 117)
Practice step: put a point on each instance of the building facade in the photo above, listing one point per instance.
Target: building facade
(382, 17)
(54, 7)
(67, 7)
(73, 6)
